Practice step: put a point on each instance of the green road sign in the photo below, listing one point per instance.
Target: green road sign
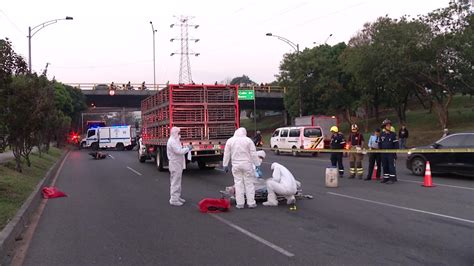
(246, 95)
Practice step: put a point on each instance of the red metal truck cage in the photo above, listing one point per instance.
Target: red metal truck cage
(203, 112)
(206, 114)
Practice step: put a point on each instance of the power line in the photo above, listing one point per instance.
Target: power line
(11, 22)
(185, 65)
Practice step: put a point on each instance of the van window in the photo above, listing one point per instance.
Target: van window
(91, 133)
(284, 133)
(295, 132)
(312, 132)
(275, 134)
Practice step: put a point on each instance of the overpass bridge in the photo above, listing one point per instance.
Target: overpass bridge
(266, 97)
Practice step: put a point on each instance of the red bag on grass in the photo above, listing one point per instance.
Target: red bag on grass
(52, 192)
(214, 205)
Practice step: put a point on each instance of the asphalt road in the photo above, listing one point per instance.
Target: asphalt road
(117, 212)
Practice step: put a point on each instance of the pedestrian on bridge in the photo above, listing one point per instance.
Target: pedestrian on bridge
(241, 150)
(177, 163)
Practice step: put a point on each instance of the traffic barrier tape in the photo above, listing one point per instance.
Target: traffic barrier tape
(365, 151)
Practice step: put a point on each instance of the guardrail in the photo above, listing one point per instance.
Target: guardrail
(137, 86)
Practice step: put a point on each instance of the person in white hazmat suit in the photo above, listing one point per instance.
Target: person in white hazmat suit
(241, 150)
(282, 183)
(177, 163)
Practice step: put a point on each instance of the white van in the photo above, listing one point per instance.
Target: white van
(119, 137)
(292, 138)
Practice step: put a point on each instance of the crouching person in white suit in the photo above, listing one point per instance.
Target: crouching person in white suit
(282, 183)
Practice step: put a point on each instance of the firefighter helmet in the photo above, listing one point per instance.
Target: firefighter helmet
(385, 122)
(334, 129)
(354, 127)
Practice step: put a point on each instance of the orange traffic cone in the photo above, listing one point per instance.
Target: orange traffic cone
(428, 182)
(374, 175)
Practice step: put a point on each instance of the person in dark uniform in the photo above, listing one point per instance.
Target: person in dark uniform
(388, 140)
(337, 142)
(258, 140)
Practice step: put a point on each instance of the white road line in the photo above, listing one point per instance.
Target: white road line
(133, 170)
(111, 156)
(437, 184)
(255, 237)
(404, 208)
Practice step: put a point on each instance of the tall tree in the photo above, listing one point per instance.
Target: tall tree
(10, 64)
(446, 67)
(244, 80)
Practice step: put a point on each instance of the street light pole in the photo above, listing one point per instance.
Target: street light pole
(296, 47)
(154, 65)
(326, 41)
(35, 29)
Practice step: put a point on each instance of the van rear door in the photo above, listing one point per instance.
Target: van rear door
(313, 138)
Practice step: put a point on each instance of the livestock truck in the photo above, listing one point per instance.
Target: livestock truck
(207, 115)
(325, 122)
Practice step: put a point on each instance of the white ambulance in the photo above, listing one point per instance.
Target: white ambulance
(119, 137)
(289, 139)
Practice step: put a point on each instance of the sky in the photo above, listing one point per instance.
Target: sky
(112, 41)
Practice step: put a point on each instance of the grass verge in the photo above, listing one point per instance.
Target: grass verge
(16, 187)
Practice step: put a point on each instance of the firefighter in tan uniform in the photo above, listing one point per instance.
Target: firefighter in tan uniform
(356, 142)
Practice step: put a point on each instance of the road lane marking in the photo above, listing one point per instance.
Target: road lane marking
(403, 208)
(20, 252)
(133, 170)
(111, 156)
(253, 236)
(437, 184)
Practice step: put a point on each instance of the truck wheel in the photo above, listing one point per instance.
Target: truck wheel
(82, 146)
(95, 146)
(141, 158)
(203, 166)
(315, 154)
(159, 160)
(120, 147)
(276, 151)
